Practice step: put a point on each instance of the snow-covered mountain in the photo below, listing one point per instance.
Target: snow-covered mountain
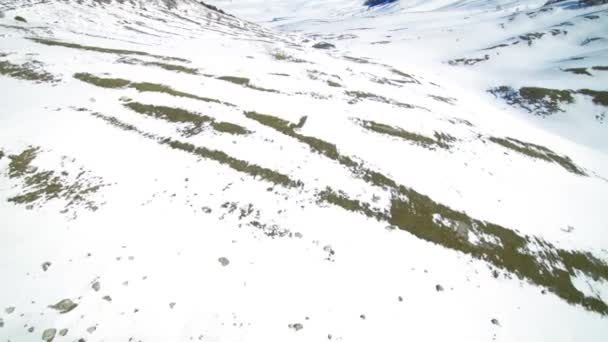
(172, 170)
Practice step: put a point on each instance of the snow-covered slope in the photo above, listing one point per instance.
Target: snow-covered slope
(170, 172)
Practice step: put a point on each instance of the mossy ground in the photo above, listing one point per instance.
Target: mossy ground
(41, 186)
(245, 82)
(221, 157)
(578, 71)
(194, 122)
(513, 253)
(30, 71)
(538, 152)
(357, 96)
(104, 50)
(442, 140)
(162, 65)
(114, 83)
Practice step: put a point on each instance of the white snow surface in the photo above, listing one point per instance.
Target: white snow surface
(300, 268)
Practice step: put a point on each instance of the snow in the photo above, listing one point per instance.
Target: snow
(167, 216)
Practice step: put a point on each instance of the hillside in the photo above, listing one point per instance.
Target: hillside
(174, 171)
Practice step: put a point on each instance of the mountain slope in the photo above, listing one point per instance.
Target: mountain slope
(170, 172)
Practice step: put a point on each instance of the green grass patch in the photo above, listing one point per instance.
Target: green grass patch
(441, 140)
(578, 71)
(28, 71)
(50, 42)
(162, 65)
(599, 97)
(282, 56)
(194, 121)
(242, 81)
(41, 186)
(538, 152)
(141, 86)
(417, 214)
(239, 165)
(357, 96)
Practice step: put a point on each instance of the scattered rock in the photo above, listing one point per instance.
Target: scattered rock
(46, 265)
(96, 286)
(30, 330)
(400, 298)
(107, 298)
(1, 323)
(439, 288)
(9, 310)
(362, 316)
(63, 332)
(296, 326)
(224, 261)
(324, 46)
(171, 305)
(92, 329)
(49, 334)
(329, 337)
(64, 306)
(495, 321)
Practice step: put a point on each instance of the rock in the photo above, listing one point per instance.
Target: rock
(9, 310)
(171, 305)
(92, 329)
(49, 334)
(439, 288)
(224, 261)
(63, 332)
(107, 298)
(324, 45)
(46, 265)
(30, 330)
(495, 321)
(400, 299)
(1, 323)
(96, 286)
(296, 326)
(64, 306)
(362, 316)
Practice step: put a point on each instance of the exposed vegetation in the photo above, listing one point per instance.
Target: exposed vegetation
(448, 100)
(468, 61)
(39, 187)
(357, 96)
(411, 211)
(282, 56)
(538, 152)
(140, 86)
(21, 19)
(194, 122)
(244, 82)
(218, 156)
(544, 101)
(105, 50)
(406, 78)
(600, 68)
(442, 140)
(30, 71)
(166, 66)
(333, 84)
(540, 101)
(578, 71)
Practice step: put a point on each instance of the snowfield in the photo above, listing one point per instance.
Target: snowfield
(176, 171)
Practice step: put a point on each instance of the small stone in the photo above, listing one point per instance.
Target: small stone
(92, 329)
(495, 321)
(1, 323)
(30, 330)
(224, 261)
(96, 286)
(9, 310)
(362, 316)
(329, 337)
(46, 265)
(296, 326)
(49, 334)
(400, 299)
(63, 332)
(171, 305)
(298, 235)
(439, 288)
(324, 46)
(64, 306)
(107, 298)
